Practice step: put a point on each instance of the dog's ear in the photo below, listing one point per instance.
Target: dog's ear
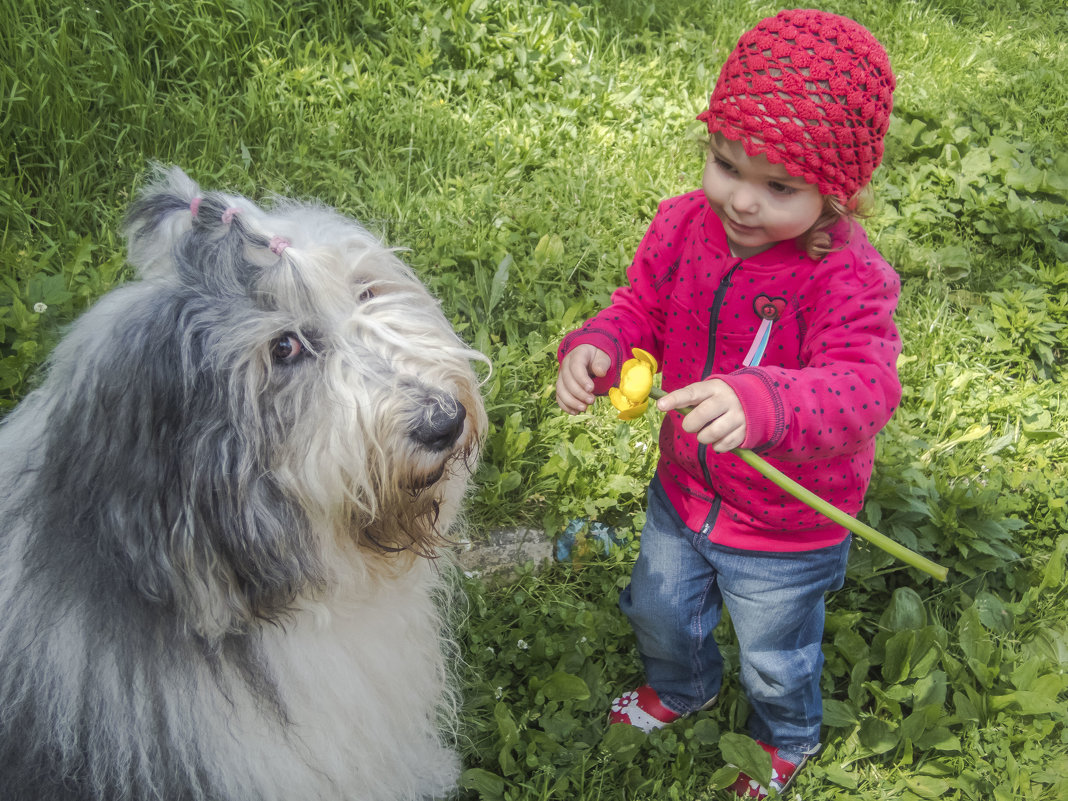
(161, 214)
(164, 472)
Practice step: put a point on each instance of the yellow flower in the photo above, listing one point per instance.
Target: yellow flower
(635, 383)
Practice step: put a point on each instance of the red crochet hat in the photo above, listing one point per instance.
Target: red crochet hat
(811, 91)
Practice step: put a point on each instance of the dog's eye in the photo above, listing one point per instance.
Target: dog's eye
(286, 348)
(367, 294)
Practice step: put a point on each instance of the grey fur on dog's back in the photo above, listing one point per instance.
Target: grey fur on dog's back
(212, 572)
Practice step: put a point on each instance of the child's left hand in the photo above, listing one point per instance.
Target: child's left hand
(717, 417)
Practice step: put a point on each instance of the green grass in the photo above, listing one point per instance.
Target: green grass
(518, 151)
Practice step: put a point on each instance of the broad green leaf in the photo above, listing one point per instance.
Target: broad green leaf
(838, 713)
(489, 786)
(1055, 772)
(877, 736)
(905, 611)
(507, 730)
(838, 775)
(940, 738)
(930, 689)
(559, 728)
(872, 509)
(898, 653)
(1051, 685)
(1053, 574)
(510, 481)
(913, 727)
(977, 646)
(1026, 177)
(1041, 434)
(838, 619)
(506, 759)
(1025, 673)
(565, 687)
(993, 613)
(851, 645)
(858, 676)
(953, 262)
(723, 778)
(971, 700)
(927, 786)
(1049, 643)
(706, 731)
(745, 754)
(622, 741)
(52, 289)
(975, 165)
(927, 650)
(1027, 702)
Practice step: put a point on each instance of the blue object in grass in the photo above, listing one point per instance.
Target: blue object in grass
(604, 536)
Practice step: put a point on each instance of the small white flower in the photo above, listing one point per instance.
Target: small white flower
(583, 640)
(490, 649)
(40, 308)
(522, 645)
(627, 699)
(499, 693)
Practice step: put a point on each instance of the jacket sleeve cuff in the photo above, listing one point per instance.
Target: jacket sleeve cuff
(765, 421)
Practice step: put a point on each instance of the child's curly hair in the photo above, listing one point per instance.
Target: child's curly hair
(817, 241)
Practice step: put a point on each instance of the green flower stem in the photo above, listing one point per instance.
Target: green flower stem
(784, 482)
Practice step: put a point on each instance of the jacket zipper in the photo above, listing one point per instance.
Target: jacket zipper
(713, 325)
(713, 322)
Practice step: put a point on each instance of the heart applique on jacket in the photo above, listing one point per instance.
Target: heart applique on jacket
(769, 308)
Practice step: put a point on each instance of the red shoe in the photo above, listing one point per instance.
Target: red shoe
(782, 773)
(641, 708)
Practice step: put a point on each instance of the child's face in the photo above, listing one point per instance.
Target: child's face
(759, 203)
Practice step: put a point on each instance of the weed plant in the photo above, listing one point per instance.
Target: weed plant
(518, 151)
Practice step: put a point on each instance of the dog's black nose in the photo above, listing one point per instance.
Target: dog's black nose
(440, 424)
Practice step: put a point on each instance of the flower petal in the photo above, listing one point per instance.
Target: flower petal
(645, 356)
(619, 400)
(633, 412)
(635, 380)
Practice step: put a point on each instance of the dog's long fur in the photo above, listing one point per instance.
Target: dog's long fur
(215, 514)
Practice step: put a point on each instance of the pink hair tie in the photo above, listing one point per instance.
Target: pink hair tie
(194, 206)
(279, 244)
(228, 215)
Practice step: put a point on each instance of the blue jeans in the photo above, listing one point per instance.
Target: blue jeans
(677, 590)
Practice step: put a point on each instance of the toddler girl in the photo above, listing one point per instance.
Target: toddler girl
(771, 316)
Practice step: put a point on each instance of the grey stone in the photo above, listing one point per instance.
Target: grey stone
(503, 551)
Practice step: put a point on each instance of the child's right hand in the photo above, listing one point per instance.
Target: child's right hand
(574, 383)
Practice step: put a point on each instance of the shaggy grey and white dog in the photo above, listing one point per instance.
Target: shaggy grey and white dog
(216, 514)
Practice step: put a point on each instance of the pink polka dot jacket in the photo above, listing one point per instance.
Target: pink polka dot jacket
(810, 348)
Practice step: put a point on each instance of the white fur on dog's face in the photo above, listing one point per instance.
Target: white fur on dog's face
(332, 352)
(368, 352)
(213, 513)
